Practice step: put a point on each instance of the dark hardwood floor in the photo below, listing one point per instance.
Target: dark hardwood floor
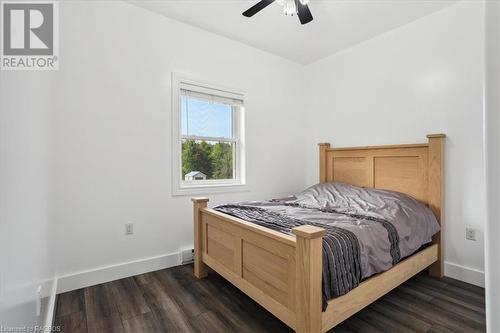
(172, 300)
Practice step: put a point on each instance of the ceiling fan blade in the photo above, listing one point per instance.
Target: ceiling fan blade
(257, 8)
(304, 13)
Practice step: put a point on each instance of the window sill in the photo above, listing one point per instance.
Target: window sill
(209, 189)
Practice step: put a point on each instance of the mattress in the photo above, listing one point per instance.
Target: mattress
(367, 230)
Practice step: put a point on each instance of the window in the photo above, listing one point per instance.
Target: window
(208, 138)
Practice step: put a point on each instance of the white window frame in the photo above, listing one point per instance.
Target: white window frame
(183, 187)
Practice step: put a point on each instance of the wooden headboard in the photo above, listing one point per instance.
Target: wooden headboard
(414, 169)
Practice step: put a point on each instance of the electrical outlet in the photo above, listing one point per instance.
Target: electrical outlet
(129, 229)
(470, 234)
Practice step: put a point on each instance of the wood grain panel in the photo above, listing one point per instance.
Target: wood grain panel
(351, 170)
(322, 161)
(200, 269)
(266, 271)
(309, 275)
(405, 174)
(269, 303)
(260, 261)
(436, 196)
(398, 168)
(220, 246)
(283, 246)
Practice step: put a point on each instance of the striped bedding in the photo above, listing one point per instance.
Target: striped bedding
(367, 230)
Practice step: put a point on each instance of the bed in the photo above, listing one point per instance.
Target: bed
(283, 272)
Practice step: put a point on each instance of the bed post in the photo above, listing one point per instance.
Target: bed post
(436, 201)
(322, 161)
(200, 269)
(308, 297)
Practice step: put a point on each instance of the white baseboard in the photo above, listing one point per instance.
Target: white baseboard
(463, 273)
(114, 272)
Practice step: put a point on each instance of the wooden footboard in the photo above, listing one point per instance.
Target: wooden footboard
(280, 272)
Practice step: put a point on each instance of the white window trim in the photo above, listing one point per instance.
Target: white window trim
(182, 187)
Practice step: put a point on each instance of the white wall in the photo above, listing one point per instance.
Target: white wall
(492, 154)
(113, 129)
(26, 220)
(422, 78)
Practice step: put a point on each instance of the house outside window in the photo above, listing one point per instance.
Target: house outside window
(208, 141)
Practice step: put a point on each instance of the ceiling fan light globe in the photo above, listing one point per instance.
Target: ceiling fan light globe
(289, 7)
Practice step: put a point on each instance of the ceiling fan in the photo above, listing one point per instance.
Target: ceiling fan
(290, 7)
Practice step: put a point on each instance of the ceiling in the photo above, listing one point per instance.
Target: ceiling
(338, 24)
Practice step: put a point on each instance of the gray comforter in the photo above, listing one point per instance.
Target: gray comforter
(368, 230)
